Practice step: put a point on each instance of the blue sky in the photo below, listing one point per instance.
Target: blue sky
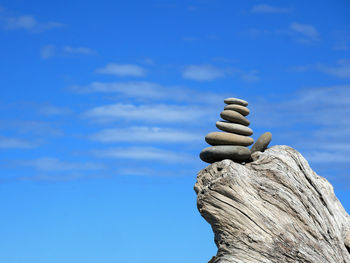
(105, 104)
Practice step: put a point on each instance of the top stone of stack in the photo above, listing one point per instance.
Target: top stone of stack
(236, 101)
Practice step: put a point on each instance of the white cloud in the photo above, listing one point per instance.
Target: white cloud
(304, 33)
(158, 113)
(264, 8)
(203, 72)
(342, 40)
(53, 110)
(340, 71)
(327, 157)
(146, 171)
(60, 177)
(148, 61)
(48, 51)
(27, 22)
(14, 143)
(122, 70)
(38, 128)
(316, 120)
(251, 76)
(342, 45)
(78, 50)
(140, 89)
(143, 90)
(209, 72)
(301, 33)
(144, 153)
(324, 106)
(330, 134)
(54, 164)
(139, 171)
(145, 134)
(331, 96)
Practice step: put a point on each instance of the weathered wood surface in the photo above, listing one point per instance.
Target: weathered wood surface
(274, 209)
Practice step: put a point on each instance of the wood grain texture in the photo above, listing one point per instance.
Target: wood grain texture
(275, 209)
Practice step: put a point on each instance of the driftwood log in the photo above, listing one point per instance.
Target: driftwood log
(274, 209)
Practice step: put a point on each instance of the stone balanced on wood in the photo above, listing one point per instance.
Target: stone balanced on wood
(233, 141)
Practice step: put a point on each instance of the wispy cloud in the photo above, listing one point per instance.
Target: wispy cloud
(54, 164)
(155, 113)
(328, 157)
(149, 61)
(304, 33)
(146, 171)
(301, 33)
(122, 70)
(144, 153)
(60, 177)
(341, 70)
(313, 106)
(50, 110)
(315, 121)
(319, 114)
(203, 72)
(15, 143)
(26, 22)
(78, 50)
(342, 40)
(31, 127)
(145, 135)
(49, 51)
(142, 90)
(209, 72)
(251, 76)
(268, 9)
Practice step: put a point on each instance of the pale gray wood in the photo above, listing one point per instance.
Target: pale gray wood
(275, 209)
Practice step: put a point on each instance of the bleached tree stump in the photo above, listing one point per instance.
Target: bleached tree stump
(274, 209)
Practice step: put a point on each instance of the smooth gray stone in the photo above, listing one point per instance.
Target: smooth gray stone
(262, 143)
(234, 128)
(235, 117)
(225, 138)
(239, 108)
(218, 153)
(236, 101)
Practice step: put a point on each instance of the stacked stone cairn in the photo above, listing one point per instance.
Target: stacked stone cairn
(232, 142)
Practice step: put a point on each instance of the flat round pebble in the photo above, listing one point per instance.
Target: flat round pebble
(236, 101)
(234, 128)
(225, 138)
(218, 153)
(239, 108)
(235, 117)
